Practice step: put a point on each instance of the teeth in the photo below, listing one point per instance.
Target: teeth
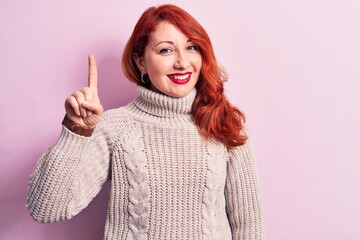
(181, 77)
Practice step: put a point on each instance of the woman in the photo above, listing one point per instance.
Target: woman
(177, 157)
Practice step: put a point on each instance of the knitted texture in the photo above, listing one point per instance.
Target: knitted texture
(166, 181)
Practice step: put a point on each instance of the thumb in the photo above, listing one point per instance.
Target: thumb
(94, 107)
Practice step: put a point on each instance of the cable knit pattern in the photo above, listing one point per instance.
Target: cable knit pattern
(166, 181)
(213, 185)
(137, 174)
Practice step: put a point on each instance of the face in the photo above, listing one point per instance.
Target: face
(171, 60)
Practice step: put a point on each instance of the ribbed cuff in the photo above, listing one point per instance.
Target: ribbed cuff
(71, 143)
(76, 128)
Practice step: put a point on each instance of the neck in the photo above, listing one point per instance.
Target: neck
(161, 105)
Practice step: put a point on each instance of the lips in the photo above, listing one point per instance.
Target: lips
(180, 78)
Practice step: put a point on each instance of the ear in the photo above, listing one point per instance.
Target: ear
(139, 62)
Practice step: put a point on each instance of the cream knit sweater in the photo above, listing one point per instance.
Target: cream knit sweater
(167, 182)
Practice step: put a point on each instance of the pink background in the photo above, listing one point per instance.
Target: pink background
(294, 69)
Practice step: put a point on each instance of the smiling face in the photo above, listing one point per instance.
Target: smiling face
(171, 60)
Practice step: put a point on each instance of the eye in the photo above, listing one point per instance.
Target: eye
(165, 51)
(193, 48)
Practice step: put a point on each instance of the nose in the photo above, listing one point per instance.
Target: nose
(181, 61)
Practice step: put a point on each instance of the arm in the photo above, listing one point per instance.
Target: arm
(243, 200)
(68, 176)
(71, 172)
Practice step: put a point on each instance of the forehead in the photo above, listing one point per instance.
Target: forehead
(165, 31)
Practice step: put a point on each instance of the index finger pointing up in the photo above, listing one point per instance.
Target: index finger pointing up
(92, 79)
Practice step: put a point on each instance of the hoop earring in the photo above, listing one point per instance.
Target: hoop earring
(143, 80)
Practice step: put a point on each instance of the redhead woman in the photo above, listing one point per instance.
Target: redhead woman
(177, 157)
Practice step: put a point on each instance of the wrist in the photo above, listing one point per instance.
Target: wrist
(76, 128)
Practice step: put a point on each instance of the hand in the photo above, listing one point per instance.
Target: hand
(83, 107)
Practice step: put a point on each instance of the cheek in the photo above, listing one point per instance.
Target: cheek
(158, 65)
(198, 67)
(198, 62)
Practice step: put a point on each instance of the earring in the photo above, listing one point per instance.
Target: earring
(143, 79)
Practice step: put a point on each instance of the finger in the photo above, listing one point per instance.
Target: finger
(71, 101)
(94, 107)
(93, 78)
(80, 98)
(88, 93)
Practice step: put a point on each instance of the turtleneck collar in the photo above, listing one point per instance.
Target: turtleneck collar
(162, 105)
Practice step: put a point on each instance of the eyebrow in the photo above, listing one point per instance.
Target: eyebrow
(170, 42)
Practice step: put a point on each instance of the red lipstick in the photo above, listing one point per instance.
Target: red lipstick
(180, 78)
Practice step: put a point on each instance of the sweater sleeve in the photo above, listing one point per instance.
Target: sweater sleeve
(68, 175)
(243, 199)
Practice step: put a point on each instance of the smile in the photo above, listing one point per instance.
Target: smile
(180, 78)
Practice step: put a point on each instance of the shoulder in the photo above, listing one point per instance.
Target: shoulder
(114, 120)
(115, 115)
(244, 151)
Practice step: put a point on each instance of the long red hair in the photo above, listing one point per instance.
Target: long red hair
(215, 117)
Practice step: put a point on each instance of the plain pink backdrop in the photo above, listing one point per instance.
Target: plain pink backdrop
(294, 68)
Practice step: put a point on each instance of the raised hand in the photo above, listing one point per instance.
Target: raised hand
(83, 107)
